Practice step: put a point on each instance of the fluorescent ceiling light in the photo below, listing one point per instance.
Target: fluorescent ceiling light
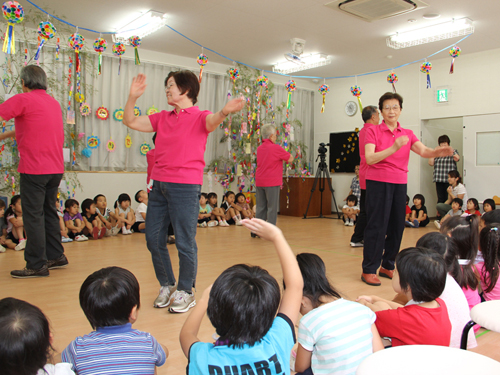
(446, 30)
(142, 26)
(297, 63)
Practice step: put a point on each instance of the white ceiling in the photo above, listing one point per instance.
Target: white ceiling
(257, 32)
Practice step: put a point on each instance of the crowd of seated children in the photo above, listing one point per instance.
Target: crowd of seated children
(93, 225)
(205, 213)
(350, 210)
(418, 217)
(231, 210)
(13, 216)
(141, 197)
(217, 212)
(456, 210)
(125, 213)
(74, 220)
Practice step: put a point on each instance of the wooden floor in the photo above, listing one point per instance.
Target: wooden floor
(219, 248)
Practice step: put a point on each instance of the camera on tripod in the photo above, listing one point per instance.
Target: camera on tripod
(322, 150)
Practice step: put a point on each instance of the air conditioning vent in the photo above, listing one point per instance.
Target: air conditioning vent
(372, 10)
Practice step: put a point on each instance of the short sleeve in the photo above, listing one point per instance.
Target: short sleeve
(370, 136)
(155, 119)
(413, 138)
(413, 208)
(424, 209)
(69, 354)
(388, 322)
(282, 154)
(160, 354)
(12, 107)
(305, 337)
(66, 217)
(208, 208)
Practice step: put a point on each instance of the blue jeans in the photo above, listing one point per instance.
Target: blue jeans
(177, 204)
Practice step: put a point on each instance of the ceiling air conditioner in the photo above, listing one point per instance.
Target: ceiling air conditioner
(372, 10)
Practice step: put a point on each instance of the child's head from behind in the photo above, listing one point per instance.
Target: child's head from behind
(229, 196)
(240, 198)
(100, 201)
(489, 243)
(316, 284)
(88, 206)
(24, 338)
(456, 204)
(212, 199)
(421, 272)
(141, 196)
(203, 198)
(352, 200)
(489, 205)
(472, 204)
(489, 218)
(71, 206)
(419, 200)
(464, 230)
(123, 201)
(243, 303)
(109, 296)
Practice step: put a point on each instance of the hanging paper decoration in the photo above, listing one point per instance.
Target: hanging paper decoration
(426, 68)
(47, 31)
(128, 141)
(152, 110)
(100, 46)
(262, 81)
(118, 114)
(111, 146)
(202, 60)
(137, 111)
(392, 78)
(145, 148)
(290, 87)
(87, 152)
(57, 50)
(79, 97)
(234, 74)
(323, 89)
(102, 113)
(25, 56)
(356, 91)
(119, 50)
(135, 42)
(76, 41)
(85, 109)
(454, 52)
(13, 12)
(93, 141)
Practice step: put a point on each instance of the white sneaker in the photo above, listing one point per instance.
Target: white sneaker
(224, 224)
(109, 232)
(85, 238)
(351, 223)
(238, 223)
(124, 230)
(115, 231)
(2, 249)
(21, 245)
(213, 224)
(437, 224)
(79, 238)
(346, 223)
(163, 299)
(182, 301)
(204, 224)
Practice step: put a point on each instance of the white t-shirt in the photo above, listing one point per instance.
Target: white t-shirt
(142, 207)
(460, 189)
(57, 369)
(353, 207)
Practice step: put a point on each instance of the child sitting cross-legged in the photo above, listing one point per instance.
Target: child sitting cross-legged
(242, 306)
(110, 300)
(420, 275)
(110, 220)
(93, 225)
(418, 217)
(456, 210)
(350, 210)
(205, 213)
(246, 211)
(74, 220)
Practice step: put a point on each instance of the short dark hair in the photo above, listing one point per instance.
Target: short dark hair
(243, 303)
(228, 193)
(124, 197)
(86, 205)
(24, 337)
(70, 203)
(239, 195)
(459, 201)
(108, 296)
(421, 197)
(186, 81)
(97, 197)
(407, 199)
(138, 196)
(352, 198)
(491, 217)
(34, 77)
(489, 201)
(316, 284)
(368, 112)
(444, 138)
(476, 203)
(204, 195)
(423, 271)
(455, 174)
(389, 96)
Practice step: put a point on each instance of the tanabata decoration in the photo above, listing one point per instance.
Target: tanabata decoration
(118, 114)
(76, 41)
(85, 109)
(57, 49)
(392, 78)
(13, 12)
(110, 146)
(87, 152)
(80, 98)
(202, 60)
(323, 89)
(145, 148)
(102, 113)
(119, 50)
(290, 87)
(356, 91)
(262, 81)
(137, 111)
(135, 42)
(25, 56)
(100, 46)
(426, 68)
(234, 74)
(93, 141)
(46, 31)
(454, 53)
(152, 110)
(128, 141)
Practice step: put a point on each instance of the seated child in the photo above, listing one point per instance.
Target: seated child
(350, 210)
(246, 211)
(472, 207)
(418, 213)
(110, 300)
(456, 210)
(408, 209)
(489, 205)
(141, 197)
(489, 243)
(109, 219)
(74, 220)
(327, 317)
(125, 213)
(93, 225)
(26, 341)
(217, 212)
(420, 274)
(3, 227)
(205, 213)
(231, 211)
(355, 188)
(64, 231)
(16, 238)
(242, 306)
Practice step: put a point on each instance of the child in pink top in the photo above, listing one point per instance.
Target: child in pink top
(489, 243)
(246, 211)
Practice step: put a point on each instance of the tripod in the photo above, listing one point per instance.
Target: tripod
(321, 174)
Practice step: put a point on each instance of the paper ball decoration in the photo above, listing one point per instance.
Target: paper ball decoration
(152, 110)
(85, 109)
(202, 59)
(455, 51)
(102, 113)
(87, 152)
(13, 12)
(290, 86)
(234, 74)
(100, 45)
(145, 148)
(76, 41)
(262, 81)
(118, 114)
(323, 89)
(118, 49)
(392, 78)
(135, 41)
(356, 91)
(46, 30)
(137, 111)
(80, 98)
(93, 141)
(426, 67)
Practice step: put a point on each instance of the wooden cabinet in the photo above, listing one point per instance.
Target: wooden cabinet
(300, 191)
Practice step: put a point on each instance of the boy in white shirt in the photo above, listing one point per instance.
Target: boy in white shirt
(141, 197)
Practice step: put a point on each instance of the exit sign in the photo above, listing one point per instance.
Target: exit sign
(442, 95)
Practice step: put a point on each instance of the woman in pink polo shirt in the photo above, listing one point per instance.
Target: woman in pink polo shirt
(387, 151)
(181, 137)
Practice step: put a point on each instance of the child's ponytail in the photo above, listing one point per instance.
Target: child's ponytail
(489, 243)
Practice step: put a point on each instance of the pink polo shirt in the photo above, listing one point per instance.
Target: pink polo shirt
(181, 139)
(362, 164)
(393, 169)
(270, 157)
(39, 131)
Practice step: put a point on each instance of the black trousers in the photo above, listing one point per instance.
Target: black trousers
(385, 209)
(359, 229)
(442, 191)
(41, 223)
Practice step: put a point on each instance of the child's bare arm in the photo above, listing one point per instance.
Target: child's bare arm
(445, 218)
(237, 207)
(189, 331)
(303, 360)
(422, 216)
(413, 215)
(71, 225)
(376, 341)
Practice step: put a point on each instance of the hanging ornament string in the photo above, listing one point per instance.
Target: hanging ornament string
(234, 74)
(13, 12)
(323, 89)
(135, 42)
(454, 53)
(392, 78)
(426, 68)
(57, 50)
(262, 81)
(356, 91)
(202, 60)
(119, 50)
(46, 31)
(76, 41)
(100, 46)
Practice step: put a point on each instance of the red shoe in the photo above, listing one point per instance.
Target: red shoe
(370, 279)
(382, 272)
(95, 233)
(102, 232)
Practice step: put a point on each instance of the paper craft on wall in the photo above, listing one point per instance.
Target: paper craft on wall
(118, 114)
(152, 110)
(145, 147)
(46, 31)
(100, 46)
(102, 113)
(128, 141)
(85, 109)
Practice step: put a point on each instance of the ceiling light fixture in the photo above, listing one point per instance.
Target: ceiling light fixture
(142, 26)
(446, 30)
(297, 63)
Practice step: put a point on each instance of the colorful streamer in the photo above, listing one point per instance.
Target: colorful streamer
(13, 12)
(202, 60)
(323, 89)
(356, 91)
(454, 52)
(426, 68)
(135, 42)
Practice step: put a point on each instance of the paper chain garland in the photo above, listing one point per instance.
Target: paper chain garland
(13, 12)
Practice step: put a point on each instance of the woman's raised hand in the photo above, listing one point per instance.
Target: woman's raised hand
(138, 86)
(235, 105)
